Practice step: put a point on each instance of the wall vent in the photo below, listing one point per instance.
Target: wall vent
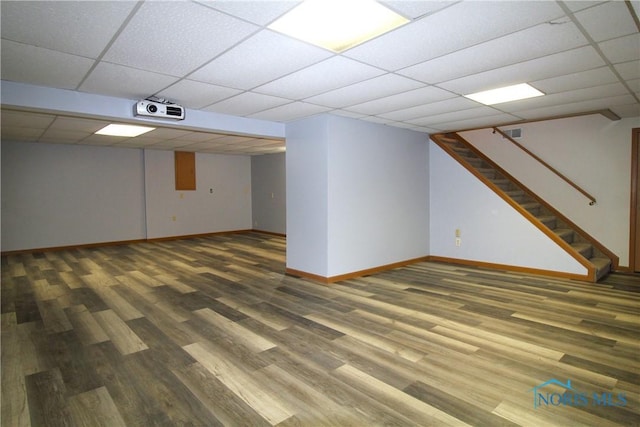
(514, 133)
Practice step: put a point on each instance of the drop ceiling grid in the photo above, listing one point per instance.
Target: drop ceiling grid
(175, 37)
(262, 58)
(541, 40)
(196, 95)
(247, 103)
(23, 62)
(457, 27)
(239, 67)
(78, 28)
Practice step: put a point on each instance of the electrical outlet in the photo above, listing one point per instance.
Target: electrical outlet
(458, 241)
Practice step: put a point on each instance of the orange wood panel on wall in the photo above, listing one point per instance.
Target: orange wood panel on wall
(185, 170)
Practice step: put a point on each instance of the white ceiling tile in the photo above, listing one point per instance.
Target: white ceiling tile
(167, 133)
(259, 12)
(576, 60)
(77, 124)
(124, 82)
(350, 114)
(457, 27)
(81, 28)
(192, 94)
(25, 119)
(175, 37)
(577, 107)
(470, 113)
(486, 121)
(622, 49)
(414, 9)
(634, 85)
(70, 136)
(247, 103)
(144, 141)
(583, 79)
(445, 106)
(289, 112)
(422, 129)
(259, 60)
(534, 42)
(576, 5)
(35, 65)
(567, 97)
(627, 111)
(233, 139)
(103, 139)
(607, 21)
(20, 133)
(201, 136)
(402, 101)
(188, 145)
(629, 70)
(333, 73)
(367, 90)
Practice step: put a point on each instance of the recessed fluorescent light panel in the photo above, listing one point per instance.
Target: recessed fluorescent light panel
(124, 130)
(505, 94)
(338, 25)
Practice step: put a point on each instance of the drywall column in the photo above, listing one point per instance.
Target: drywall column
(307, 196)
(357, 196)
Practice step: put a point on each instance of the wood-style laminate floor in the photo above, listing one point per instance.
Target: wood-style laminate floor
(210, 332)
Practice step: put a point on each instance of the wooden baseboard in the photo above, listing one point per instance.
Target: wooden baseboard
(196, 236)
(355, 274)
(120, 242)
(272, 233)
(70, 247)
(511, 268)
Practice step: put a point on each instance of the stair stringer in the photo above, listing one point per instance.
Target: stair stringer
(574, 265)
(594, 273)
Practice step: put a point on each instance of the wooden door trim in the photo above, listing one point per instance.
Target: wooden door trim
(635, 146)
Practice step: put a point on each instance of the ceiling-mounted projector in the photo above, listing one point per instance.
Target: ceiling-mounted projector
(159, 110)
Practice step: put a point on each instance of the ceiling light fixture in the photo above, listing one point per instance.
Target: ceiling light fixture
(505, 94)
(124, 130)
(338, 25)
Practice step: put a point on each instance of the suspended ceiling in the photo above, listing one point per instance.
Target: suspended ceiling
(219, 57)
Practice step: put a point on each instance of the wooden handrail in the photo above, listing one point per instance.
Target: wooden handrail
(548, 166)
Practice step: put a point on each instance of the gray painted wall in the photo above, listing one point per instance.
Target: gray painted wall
(221, 201)
(357, 195)
(268, 193)
(491, 231)
(59, 195)
(594, 152)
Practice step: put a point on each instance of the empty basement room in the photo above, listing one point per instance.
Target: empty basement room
(216, 213)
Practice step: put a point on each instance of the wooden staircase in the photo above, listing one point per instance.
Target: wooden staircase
(598, 260)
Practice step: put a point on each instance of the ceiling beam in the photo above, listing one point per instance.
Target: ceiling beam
(64, 102)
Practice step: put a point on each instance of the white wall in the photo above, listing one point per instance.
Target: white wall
(594, 152)
(378, 195)
(62, 195)
(357, 195)
(226, 208)
(59, 195)
(491, 231)
(307, 196)
(268, 193)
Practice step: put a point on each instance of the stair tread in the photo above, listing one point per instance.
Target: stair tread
(580, 246)
(563, 232)
(600, 262)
